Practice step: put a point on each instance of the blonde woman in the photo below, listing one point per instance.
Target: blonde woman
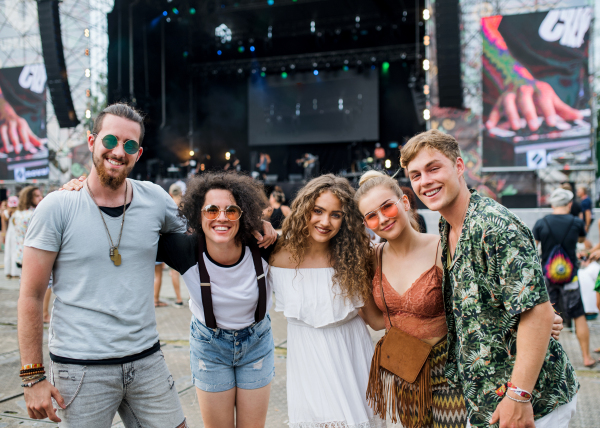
(412, 285)
(321, 274)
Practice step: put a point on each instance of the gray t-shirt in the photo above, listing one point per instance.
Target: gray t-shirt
(101, 310)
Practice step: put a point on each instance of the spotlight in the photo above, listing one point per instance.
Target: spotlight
(86, 32)
(316, 72)
(192, 153)
(426, 114)
(312, 26)
(388, 164)
(219, 52)
(270, 2)
(192, 11)
(270, 32)
(241, 49)
(425, 64)
(175, 11)
(168, 19)
(165, 13)
(426, 89)
(88, 114)
(227, 156)
(252, 48)
(284, 75)
(357, 19)
(426, 40)
(87, 72)
(292, 66)
(426, 14)
(224, 32)
(385, 67)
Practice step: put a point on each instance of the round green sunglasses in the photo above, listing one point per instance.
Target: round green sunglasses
(109, 142)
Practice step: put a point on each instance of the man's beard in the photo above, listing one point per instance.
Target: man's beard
(113, 182)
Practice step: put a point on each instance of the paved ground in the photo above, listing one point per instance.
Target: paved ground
(173, 326)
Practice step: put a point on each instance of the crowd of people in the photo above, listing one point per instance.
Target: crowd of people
(471, 335)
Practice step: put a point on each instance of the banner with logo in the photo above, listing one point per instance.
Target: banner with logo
(23, 142)
(537, 109)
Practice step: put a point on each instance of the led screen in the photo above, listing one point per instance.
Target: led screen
(536, 92)
(23, 142)
(306, 107)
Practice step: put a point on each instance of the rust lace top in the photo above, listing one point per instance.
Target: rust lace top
(419, 311)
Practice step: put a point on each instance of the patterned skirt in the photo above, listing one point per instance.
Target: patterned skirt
(448, 404)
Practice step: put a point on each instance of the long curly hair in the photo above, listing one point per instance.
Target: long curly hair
(349, 250)
(249, 195)
(26, 198)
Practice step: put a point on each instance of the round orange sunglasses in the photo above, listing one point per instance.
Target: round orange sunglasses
(388, 209)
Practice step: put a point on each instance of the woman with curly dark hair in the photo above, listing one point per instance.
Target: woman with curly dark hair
(231, 344)
(321, 273)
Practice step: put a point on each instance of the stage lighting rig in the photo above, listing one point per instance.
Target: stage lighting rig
(313, 61)
(224, 33)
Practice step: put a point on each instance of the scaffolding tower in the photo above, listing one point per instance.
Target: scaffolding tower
(85, 43)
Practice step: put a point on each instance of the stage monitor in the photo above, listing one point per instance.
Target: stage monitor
(328, 107)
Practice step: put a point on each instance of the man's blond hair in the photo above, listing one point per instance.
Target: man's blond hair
(432, 139)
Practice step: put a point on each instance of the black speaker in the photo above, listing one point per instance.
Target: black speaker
(54, 59)
(447, 26)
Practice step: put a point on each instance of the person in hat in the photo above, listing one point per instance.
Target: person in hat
(557, 233)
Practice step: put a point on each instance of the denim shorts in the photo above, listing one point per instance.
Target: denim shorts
(223, 359)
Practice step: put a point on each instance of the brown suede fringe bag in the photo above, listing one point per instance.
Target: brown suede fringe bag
(400, 377)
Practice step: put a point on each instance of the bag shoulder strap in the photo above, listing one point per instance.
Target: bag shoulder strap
(566, 232)
(380, 261)
(205, 287)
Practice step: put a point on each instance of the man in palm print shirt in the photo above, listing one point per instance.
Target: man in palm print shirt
(493, 288)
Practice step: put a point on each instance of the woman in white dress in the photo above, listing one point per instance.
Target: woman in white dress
(321, 273)
(10, 241)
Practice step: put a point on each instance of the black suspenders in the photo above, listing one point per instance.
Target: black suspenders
(205, 290)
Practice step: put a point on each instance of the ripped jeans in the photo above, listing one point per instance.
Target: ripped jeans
(142, 391)
(223, 359)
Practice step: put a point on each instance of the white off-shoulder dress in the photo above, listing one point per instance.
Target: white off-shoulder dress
(329, 351)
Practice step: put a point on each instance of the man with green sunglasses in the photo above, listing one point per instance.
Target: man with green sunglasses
(101, 245)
